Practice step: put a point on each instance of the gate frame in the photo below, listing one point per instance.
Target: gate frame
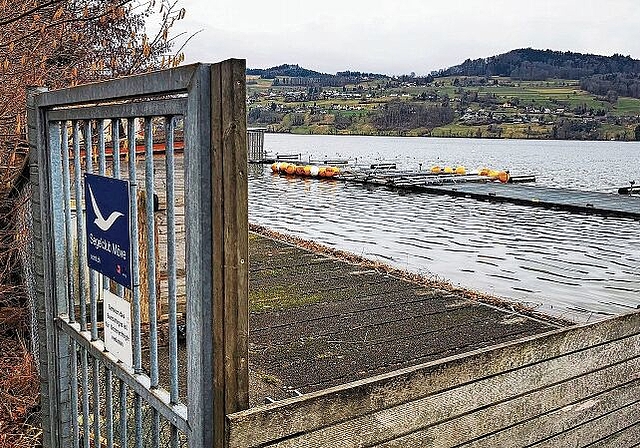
(216, 245)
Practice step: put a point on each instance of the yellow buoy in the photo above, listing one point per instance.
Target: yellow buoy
(307, 170)
(448, 170)
(461, 170)
(483, 171)
(435, 169)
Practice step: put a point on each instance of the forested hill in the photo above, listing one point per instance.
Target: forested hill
(528, 64)
(285, 70)
(295, 71)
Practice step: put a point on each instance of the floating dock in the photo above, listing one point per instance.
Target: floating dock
(604, 204)
(485, 185)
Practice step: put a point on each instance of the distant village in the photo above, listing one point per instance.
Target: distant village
(357, 104)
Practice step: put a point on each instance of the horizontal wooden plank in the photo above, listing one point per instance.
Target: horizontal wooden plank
(593, 430)
(317, 410)
(483, 422)
(409, 417)
(154, 83)
(626, 437)
(153, 108)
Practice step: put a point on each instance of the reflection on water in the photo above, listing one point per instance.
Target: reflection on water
(580, 267)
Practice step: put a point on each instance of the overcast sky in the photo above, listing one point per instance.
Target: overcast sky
(402, 36)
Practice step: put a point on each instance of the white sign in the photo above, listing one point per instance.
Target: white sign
(117, 327)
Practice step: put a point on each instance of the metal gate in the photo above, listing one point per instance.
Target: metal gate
(178, 137)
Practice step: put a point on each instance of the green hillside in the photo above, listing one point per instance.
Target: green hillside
(599, 106)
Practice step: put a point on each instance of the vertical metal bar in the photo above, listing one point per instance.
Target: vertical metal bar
(115, 144)
(58, 302)
(102, 160)
(199, 282)
(96, 401)
(103, 280)
(137, 406)
(151, 253)
(115, 151)
(151, 271)
(71, 279)
(74, 393)
(174, 395)
(135, 267)
(171, 260)
(135, 256)
(67, 222)
(93, 299)
(93, 287)
(85, 397)
(174, 438)
(108, 405)
(39, 201)
(81, 246)
(123, 415)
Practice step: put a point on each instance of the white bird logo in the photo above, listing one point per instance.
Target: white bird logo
(103, 224)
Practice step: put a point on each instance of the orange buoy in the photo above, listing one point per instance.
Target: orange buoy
(503, 177)
(290, 168)
(307, 170)
(322, 171)
(300, 170)
(483, 171)
(461, 170)
(435, 169)
(331, 171)
(448, 170)
(274, 167)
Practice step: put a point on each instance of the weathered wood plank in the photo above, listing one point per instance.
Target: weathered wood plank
(230, 243)
(217, 238)
(317, 410)
(623, 411)
(627, 437)
(236, 244)
(399, 420)
(482, 422)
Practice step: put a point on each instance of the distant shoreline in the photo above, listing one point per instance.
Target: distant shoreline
(447, 136)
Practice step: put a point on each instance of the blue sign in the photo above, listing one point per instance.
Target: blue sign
(108, 216)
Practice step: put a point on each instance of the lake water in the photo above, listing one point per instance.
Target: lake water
(575, 266)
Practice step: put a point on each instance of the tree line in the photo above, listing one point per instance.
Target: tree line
(528, 64)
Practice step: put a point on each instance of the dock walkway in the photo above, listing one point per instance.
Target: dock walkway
(604, 204)
(317, 321)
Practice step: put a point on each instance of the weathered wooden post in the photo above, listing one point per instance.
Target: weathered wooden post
(230, 242)
(217, 235)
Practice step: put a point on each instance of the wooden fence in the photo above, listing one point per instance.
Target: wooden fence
(567, 388)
